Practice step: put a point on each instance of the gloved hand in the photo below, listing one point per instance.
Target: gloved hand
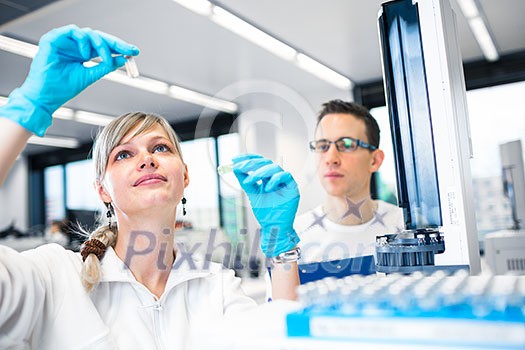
(274, 197)
(57, 73)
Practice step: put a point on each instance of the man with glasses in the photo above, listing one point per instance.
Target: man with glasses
(347, 149)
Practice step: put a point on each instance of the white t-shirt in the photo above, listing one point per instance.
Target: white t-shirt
(325, 240)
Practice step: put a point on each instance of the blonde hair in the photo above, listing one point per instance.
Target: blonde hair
(109, 138)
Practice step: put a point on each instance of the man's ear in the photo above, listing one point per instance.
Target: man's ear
(376, 160)
(186, 176)
(102, 193)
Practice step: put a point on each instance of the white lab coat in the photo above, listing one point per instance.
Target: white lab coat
(43, 304)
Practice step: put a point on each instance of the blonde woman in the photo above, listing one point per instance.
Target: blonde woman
(131, 287)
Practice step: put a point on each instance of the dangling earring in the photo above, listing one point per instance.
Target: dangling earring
(183, 205)
(108, 214)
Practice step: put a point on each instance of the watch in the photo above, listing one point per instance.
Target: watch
(288, 257)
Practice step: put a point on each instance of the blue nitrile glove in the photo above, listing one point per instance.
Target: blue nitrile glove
(274, 197)
(57, 73)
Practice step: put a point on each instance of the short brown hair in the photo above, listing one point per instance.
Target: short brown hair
(356, 110)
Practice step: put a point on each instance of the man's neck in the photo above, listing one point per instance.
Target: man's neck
(350, 211)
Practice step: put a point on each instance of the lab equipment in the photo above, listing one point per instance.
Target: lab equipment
(225, 169)
(409, 251)
(33, 104)
(505, 250)
(362, 265)
(513, 170)
(444, 309)
(274, 198)
(425, 93)
(131, 67)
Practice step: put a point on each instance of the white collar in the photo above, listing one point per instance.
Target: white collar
(183, 269)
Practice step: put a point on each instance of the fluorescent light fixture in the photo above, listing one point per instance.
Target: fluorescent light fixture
(64, 142)
(79, 116)
(201, 7)
(479, 29)
(18, 47)
(155, 86)
(251, 33)
(64, 113)
(203, 100)
(173, 91)
(142, 83)
(483, 38)
(323, 72)
(61, 113)
(92, 118)
(469, 8)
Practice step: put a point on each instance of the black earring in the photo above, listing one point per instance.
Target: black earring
(183, 205)
(109, 214)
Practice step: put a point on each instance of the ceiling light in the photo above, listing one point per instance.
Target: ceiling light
(64, 142)
(201, 7)
(173, 91)
(484, 39)
(251, 33)
(323, 72)
(203, 100)
(79, 116)
(479, 29)
(92, 118)
(469, 8)
(64, 113)
(18, 47)
(246, 30)
(119, 76)
(143, 83)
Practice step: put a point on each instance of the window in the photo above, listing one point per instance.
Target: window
(386, 182)
(231, 194)
(496, 116)
(80, 192)
(54, 193)
(202, 192)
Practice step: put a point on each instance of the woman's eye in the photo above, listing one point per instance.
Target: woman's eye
(161, 148)
(122, 155)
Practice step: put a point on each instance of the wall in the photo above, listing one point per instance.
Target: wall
(14, 197)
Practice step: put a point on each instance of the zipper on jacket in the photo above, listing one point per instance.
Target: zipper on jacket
(157, 308)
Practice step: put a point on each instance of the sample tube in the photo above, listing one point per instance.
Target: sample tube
(225, 169)
(131, 67)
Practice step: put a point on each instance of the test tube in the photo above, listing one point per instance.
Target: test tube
(225, 169)
(131, 67)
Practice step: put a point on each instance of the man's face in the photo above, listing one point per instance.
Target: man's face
(345, 174)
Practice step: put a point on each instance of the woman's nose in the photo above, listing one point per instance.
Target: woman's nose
(148, 161)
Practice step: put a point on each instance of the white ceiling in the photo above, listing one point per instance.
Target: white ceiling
(186, 49)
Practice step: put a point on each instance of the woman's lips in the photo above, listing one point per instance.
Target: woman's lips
(149, 179)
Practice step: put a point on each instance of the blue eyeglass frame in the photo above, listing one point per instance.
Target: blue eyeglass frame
(358, 142)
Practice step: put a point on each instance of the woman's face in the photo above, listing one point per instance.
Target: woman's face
(144, 172)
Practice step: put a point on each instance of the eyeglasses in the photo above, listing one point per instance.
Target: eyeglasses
(344, 144)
